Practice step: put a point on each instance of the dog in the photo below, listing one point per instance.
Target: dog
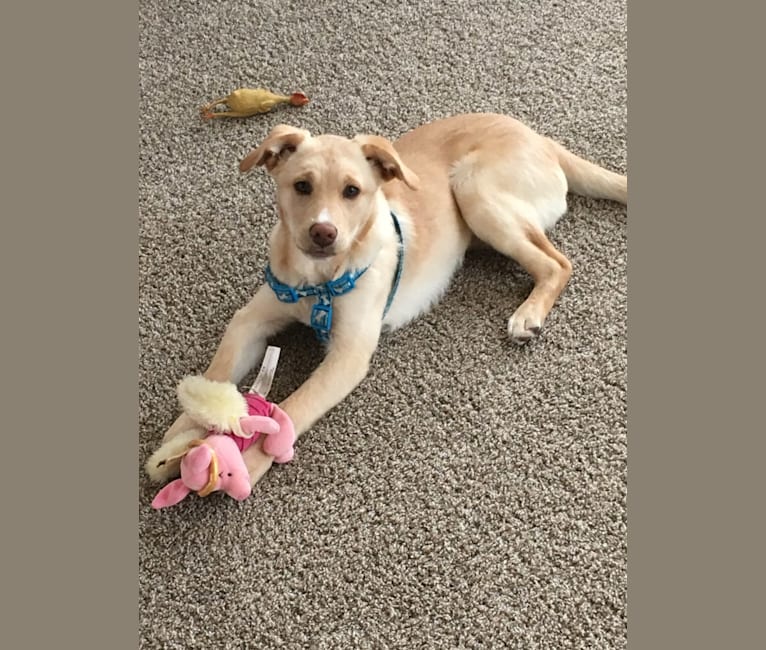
(371, 232)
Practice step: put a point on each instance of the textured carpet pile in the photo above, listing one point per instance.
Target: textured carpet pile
(470, 493)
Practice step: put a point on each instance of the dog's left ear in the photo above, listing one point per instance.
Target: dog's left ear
(381, 153)
(278, 145)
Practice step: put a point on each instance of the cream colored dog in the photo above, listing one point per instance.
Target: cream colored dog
(400, 217)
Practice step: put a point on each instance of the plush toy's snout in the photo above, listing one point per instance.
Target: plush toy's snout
(239, 487)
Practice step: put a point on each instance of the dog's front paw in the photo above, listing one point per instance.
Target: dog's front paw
(525, 324)
(165, 463)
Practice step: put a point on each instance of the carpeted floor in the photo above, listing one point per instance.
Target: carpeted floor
(470, 493)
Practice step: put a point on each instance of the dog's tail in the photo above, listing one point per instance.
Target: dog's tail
(588, 179)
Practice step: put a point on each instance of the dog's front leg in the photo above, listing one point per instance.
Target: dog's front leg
(244, 340)
(343, 368)
(243, 343)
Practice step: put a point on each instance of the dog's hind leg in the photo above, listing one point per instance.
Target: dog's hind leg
(509, 234)
(514, 227)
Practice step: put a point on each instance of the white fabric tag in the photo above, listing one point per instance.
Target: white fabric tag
(262, 383)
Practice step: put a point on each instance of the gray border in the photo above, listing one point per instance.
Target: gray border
(692, 500)
(69, 320)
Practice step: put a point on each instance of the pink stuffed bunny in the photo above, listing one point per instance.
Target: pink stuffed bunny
(234, 422)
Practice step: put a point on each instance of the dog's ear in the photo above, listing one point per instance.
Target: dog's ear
(382, 155)
(278, 145)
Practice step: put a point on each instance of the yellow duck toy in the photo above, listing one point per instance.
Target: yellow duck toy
(245, 102)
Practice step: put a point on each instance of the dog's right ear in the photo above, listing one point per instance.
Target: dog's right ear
(278, 145)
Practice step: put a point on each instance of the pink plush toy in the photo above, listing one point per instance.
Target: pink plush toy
(234, 421)
(214, 463)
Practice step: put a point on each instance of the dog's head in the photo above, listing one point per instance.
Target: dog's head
(327, 185)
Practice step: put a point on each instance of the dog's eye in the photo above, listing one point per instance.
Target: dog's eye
(303, 187)
(350, 191)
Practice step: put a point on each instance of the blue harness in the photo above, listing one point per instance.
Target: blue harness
(321, 312)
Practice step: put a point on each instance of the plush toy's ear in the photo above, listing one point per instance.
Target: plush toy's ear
(253, 424)
(382, 155)
(171, 494)
(278, 145)
(198, 459)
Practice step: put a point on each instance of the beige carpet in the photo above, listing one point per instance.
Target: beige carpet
(470, 493)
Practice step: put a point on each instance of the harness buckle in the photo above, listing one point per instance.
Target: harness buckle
(321, 320)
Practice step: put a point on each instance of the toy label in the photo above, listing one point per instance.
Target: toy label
(262, 383)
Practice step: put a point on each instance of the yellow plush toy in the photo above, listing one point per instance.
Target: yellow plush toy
(245, 102)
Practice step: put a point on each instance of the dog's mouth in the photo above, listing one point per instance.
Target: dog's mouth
(317, 253)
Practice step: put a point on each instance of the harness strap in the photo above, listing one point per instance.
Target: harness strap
(399, 265)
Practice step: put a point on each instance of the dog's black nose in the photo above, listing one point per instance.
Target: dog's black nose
(323, 234)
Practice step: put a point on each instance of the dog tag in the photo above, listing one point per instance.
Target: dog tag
(262, 383)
